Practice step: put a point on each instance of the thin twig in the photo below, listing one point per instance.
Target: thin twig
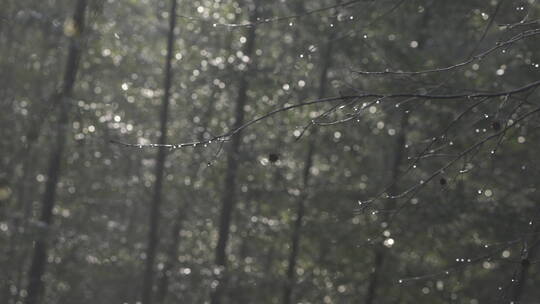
(476, 58)
(226, 136)
(274, 19)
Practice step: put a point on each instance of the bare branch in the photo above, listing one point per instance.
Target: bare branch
(226, 136)
(476, 58)
(275, 19)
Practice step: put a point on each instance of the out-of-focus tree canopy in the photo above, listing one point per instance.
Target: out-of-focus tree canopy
(253, 151)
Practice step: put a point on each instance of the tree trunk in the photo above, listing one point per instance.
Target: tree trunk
(149, 273)
(300, 209)
(380, 255)
(295, 238)
(397, 161)
(182, 213)
(233, 154)
(520, 283)
(163, 285)
(39, 259)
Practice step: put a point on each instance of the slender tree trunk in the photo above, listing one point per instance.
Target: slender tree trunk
(300, 209)
(149, 273)
(39, 259)
(163, 285)
(182, 213)
(380, 255)
(521, 281)
(295, 238)
(25, 155)
(229, 190)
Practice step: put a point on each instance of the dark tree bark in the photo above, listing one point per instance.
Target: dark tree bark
(163, 284)
(521, 282)
(380, 255)
(182, 213)
(229, 190)
(39, 258)
(300, 208)
(155, 207)
(529, 254)
(25, 154)
(295, 238)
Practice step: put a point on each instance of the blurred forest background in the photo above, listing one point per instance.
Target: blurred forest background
(257, 151)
